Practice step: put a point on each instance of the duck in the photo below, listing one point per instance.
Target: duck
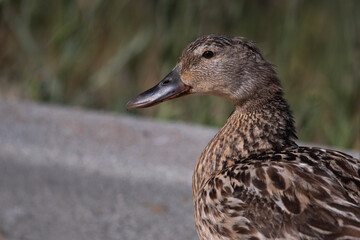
(252, 180)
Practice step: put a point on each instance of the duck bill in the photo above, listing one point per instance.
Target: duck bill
(170, 87)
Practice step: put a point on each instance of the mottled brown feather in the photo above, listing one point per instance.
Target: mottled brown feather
(252, 181)
(303, 207)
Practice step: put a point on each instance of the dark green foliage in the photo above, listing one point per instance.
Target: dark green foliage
(99, 54)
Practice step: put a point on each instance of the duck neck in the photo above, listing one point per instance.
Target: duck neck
(268, 126)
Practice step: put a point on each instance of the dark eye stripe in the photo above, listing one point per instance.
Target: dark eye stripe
(208, 54)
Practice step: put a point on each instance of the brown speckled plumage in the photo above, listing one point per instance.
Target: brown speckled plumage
(252, 181)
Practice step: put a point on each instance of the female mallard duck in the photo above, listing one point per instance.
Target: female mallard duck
(252, 181)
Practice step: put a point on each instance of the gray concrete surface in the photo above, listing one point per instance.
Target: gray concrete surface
(72, 174)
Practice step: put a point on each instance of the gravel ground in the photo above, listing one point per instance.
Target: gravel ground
(74, 174)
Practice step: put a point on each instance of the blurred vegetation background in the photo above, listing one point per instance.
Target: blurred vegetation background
(99, 54)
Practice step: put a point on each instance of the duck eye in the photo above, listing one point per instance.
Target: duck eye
(208, 54)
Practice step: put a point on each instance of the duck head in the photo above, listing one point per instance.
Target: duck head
(219, 65)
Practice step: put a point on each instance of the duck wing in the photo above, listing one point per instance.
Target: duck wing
(297, 193)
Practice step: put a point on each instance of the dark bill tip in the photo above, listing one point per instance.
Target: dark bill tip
(170, 87)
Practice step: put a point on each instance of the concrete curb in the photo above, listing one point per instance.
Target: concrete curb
(74, 174)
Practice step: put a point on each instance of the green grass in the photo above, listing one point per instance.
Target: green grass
(99, 54)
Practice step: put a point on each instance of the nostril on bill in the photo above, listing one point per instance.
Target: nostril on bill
(165, 82)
